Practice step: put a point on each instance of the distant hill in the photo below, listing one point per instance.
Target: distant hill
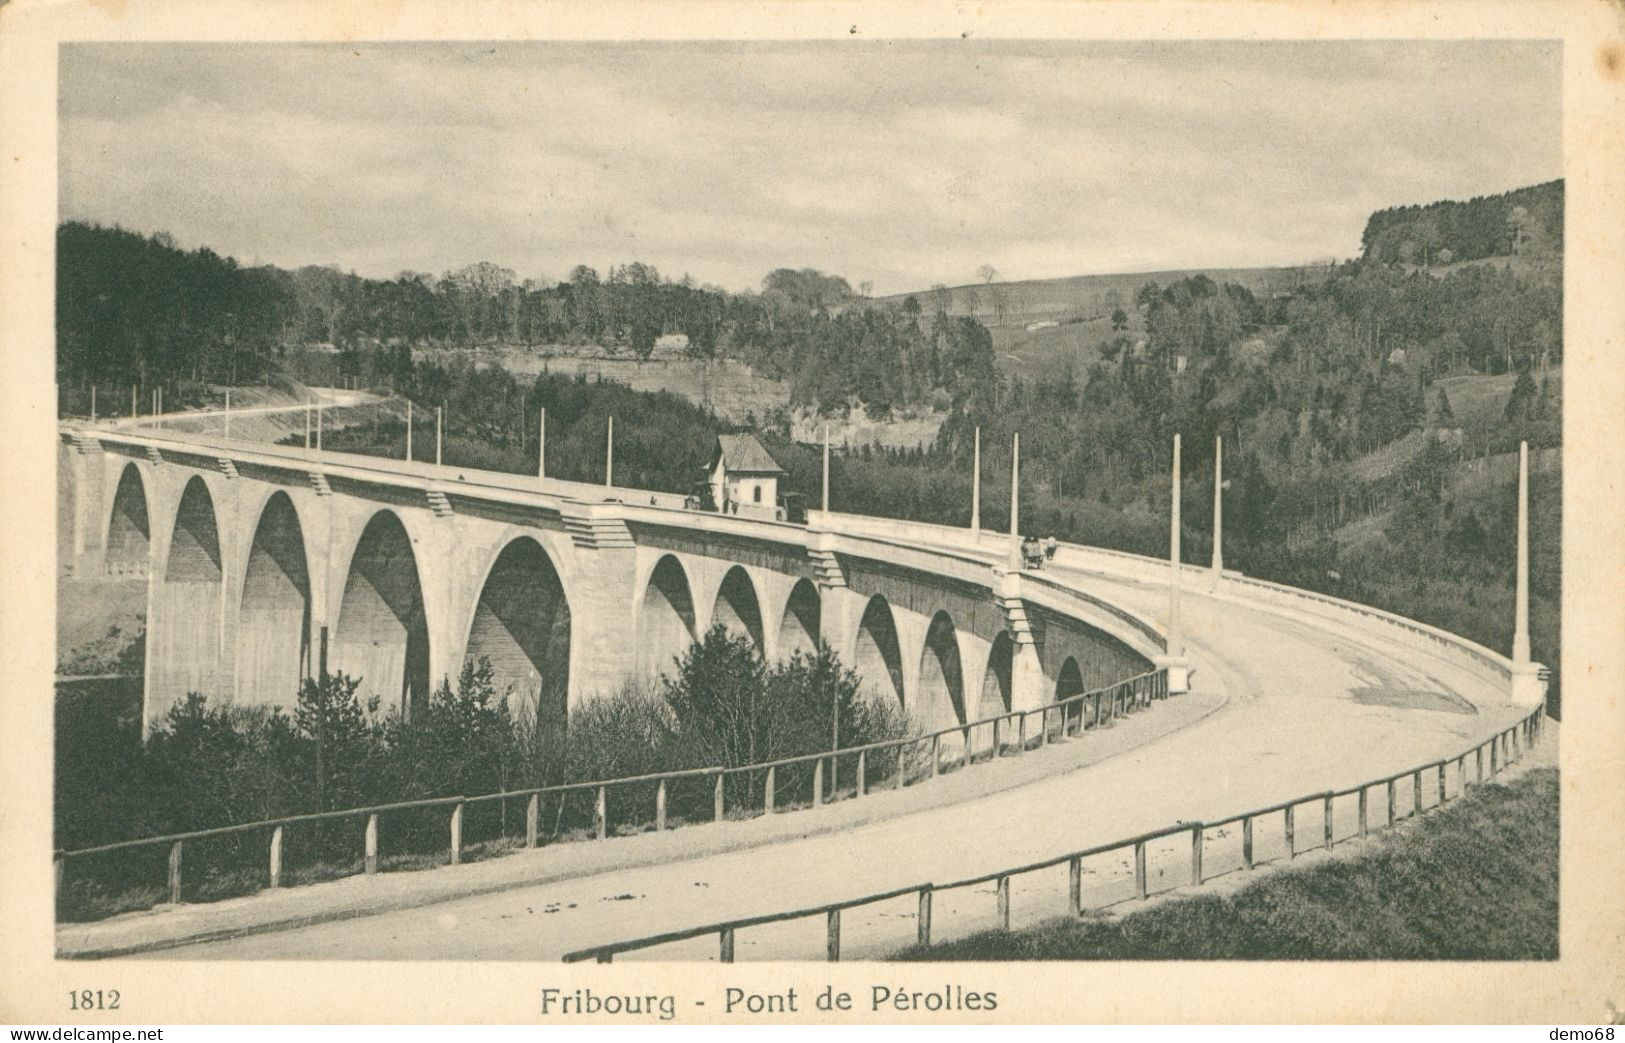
(1087, 297)
(1518, 223)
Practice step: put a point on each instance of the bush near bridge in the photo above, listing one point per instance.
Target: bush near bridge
(1474, 881)
(208, 765)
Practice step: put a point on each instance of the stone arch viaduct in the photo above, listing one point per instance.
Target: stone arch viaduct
(268, 564)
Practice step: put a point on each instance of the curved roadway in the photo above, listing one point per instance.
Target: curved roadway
(1309, 705)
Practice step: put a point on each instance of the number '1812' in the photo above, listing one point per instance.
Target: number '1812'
(93, 999)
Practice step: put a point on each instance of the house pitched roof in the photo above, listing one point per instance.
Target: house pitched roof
(743, 454)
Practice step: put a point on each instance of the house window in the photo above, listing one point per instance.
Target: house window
(758, 491)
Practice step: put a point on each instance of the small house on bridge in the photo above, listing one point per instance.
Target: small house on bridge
(744, 477)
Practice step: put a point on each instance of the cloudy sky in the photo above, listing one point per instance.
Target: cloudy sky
(905, 164)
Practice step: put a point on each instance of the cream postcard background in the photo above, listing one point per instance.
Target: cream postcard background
(1586, 986)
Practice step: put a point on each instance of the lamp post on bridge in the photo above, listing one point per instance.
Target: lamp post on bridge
(976, 481)
(1218, 508)
(1174, 660)
(1015, 502)
(1528, 686)
(824, 503)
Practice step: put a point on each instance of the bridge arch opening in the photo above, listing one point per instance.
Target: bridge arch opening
(737, 607)
(184, 635)
(877, 658)
(996, 682)
(1069, 681)
(382, 637)
(129, 531)
(665, 618)
(521, 626)
(273, 619)
(803, 612)
(940, 697)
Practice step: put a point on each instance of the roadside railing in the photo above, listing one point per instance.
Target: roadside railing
(1489, 758)
(897, 763)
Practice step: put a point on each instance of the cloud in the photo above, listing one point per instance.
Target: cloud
(904, 163)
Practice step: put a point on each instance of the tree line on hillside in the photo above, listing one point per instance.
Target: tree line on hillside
(138, 310)
(1527, 222)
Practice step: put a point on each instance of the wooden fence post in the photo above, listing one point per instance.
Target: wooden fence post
(1074, 886)
(175, 873)
(600, 814)
(533, 814)
(832, 936)
(1247, 842)
(1291, 845)
(1196, 855)
(1328, 822)
(1494, 759)
(768, 790)
(863, 768)
(1140, 889)
(922, 932)
(899, 765)
(1441, 783)
(1364, 801)
(716, 799)
(276, 857)
(1416, 792)
(818, 782)
(1391, 803)
(996, 721)
(457, 834)
(936, 755)
(1002, 897)
(1478, 755)
(370, 860)
(727, 946)
(660, 807)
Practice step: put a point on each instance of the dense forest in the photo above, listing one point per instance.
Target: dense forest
(137, 310)
(1527, 222)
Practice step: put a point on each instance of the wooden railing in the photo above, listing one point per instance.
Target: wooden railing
(1490, 757)
(1004, 732)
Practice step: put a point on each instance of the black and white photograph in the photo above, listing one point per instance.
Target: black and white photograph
(851, 499)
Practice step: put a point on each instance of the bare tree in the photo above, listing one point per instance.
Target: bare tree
(987, 272)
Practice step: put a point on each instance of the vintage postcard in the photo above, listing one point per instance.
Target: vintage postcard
(673, 513)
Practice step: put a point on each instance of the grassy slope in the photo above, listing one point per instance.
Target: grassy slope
(1478, 880)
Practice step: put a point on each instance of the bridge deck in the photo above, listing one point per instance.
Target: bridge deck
(1307, 705)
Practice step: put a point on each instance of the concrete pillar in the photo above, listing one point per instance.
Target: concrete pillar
(603, 614)
(1528, 685)
(976, 483)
